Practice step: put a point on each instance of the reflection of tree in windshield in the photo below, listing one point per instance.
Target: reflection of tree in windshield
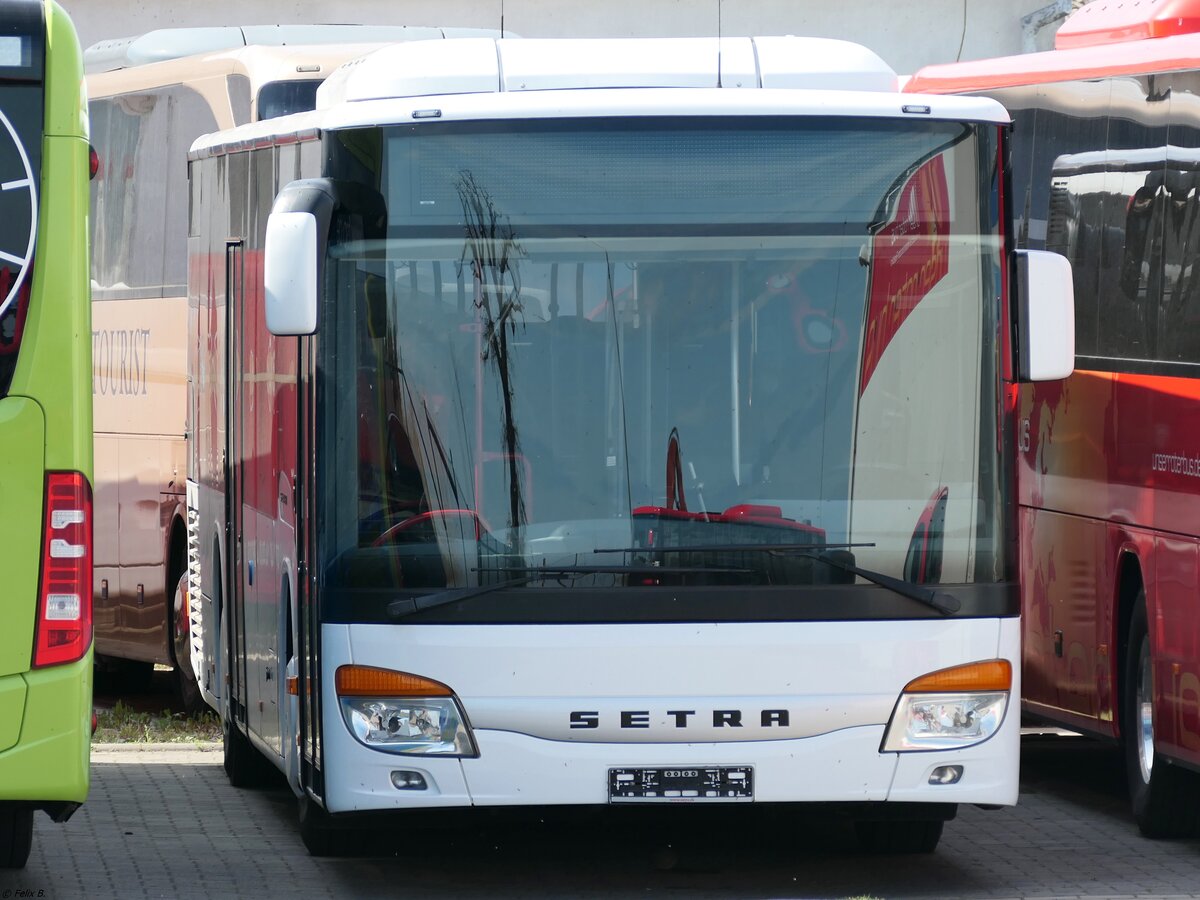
(491, 249)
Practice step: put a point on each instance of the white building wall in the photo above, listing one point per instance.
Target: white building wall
(906, 33)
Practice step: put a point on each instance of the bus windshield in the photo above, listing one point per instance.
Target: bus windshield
(641, 353)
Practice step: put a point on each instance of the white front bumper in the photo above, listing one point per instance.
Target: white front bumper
(513, 768)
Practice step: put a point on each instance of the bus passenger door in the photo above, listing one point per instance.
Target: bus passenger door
(234, 612)
(308, 625)
(259, 494)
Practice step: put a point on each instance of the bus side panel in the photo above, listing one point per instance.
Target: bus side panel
(1155, 472)
(54, 369)
(1176, 647)
(260, 506)
(1063, 466)
(1072, 562)
(1071, 595)
(66, 110)
(50, 393)
(267, 369)
(206, 296)
(56, 365)
(22, 440)
(106, 530)
(51, 761)
(139, 413)
(1157, 447)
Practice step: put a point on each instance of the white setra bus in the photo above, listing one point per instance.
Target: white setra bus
(586, 422)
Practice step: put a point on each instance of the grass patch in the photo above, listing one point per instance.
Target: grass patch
(124, 725)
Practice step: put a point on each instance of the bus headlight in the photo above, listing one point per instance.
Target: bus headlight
(401, 713)
(951, 708)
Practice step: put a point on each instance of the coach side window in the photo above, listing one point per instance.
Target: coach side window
(115, 130)
(1181, 239)
(190, 117)
(1069, 125)
(140, 195)
(1138, 195)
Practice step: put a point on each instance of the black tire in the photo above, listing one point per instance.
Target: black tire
(16, 835)
(899, 836)
(245, 767)
(187, 690)
(317, 831)
(1165, 798)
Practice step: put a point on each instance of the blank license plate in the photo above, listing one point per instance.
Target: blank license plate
(671, 785)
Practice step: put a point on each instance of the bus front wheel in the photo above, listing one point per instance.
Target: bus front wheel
(899, 836)
(1164, 797)
(16, 835)
(321, 837)
(245, 767)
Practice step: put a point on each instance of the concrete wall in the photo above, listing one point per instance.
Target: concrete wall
(906, 33)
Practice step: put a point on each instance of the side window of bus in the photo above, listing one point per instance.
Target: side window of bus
(238, 88)
(282, 98)
(190, 117)
(1072, 122)
(139, 197)
(1137, 197)
(1180, 325)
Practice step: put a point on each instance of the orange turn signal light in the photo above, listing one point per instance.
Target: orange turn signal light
(986, 675)
(367, 681)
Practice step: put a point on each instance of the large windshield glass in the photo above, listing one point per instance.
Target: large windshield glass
(579, 344)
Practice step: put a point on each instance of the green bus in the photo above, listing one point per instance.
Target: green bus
(45, 424)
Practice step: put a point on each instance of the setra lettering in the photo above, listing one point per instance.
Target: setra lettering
(683, 718)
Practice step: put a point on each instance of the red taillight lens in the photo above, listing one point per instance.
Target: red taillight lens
(93, 162)
(64, 623)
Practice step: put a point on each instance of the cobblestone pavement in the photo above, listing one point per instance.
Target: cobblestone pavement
(165, 823)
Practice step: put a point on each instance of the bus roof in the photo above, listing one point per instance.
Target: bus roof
(260, 64)
(508, 65)
(174, 43)
(477, 79)
(1100, 39)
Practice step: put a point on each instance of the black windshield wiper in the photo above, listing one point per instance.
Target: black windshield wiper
(641, 569)
(721, 548)
(408, 606)
(946, 604)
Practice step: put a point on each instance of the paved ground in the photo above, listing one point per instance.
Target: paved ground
(165, 823)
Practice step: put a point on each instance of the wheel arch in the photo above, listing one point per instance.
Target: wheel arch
(175, 565)
(1129, 583)
(287, 594)
(176, 549)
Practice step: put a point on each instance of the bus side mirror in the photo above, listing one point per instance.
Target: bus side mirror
(290, 273)
(1046, 316)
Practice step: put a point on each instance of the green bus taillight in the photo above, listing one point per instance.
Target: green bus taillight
(64, 624)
